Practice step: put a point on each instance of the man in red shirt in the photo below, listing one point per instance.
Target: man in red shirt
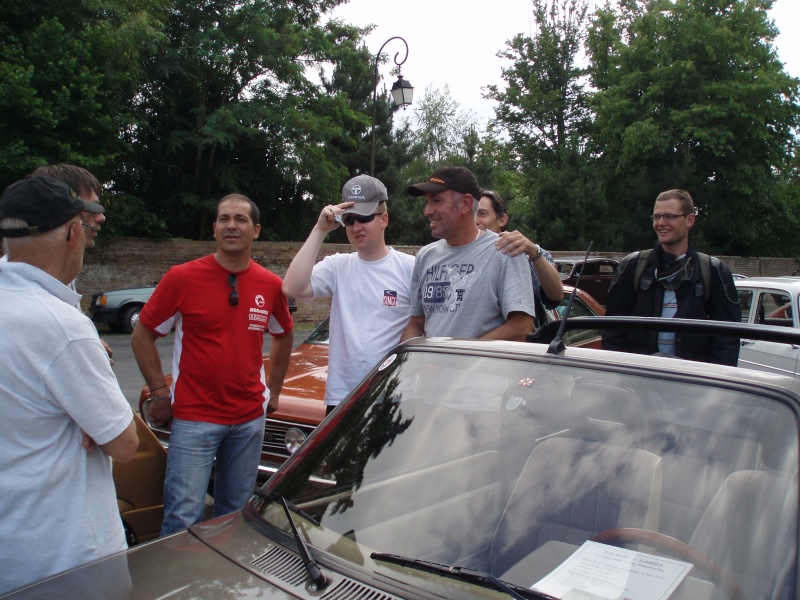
(220, 305)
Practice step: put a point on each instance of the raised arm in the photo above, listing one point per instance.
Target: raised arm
(514, 243)
(297, 281)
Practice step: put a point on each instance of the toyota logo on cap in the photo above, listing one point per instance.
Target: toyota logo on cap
(356, 189)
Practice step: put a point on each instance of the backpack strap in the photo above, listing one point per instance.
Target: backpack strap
(706, 263)
(642, 255)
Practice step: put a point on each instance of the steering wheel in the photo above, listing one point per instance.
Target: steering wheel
(677, 548)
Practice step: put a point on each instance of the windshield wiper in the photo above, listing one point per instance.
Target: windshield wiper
(463, 574)
(295, 509)
(312, 568)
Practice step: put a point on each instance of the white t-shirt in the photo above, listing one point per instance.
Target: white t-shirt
(369, 310)
(58, 501)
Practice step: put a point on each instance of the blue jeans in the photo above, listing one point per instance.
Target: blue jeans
(193, 446)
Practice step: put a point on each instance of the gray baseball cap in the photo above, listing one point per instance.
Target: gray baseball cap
(366, 192)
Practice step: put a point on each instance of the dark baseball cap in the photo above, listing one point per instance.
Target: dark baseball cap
(459, 179)
(43, 203)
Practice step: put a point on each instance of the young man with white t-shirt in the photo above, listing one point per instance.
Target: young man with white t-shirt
(370, 288)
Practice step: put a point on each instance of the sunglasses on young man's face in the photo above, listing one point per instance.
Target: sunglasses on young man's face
(350, 220)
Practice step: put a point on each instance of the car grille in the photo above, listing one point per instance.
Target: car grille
(275, 433)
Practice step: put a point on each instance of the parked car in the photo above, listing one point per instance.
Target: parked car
(120, 308)
(301, 406)
(140, 487)
(769, 301)
(596, 275)
(485, 469)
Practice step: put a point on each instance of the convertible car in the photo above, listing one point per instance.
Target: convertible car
(488, 470)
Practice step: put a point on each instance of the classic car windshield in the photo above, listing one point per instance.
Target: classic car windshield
(509, 466)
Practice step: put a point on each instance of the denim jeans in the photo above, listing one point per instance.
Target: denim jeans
(193, 446)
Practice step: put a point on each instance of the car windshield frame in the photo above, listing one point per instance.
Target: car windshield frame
(427, 461)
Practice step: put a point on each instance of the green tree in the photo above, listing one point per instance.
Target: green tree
(67, 71)
(691, 95)
(439, 132)
(230, 108)
(544, 109)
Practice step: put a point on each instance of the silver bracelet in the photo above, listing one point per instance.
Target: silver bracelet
(166, 396)
(538, 253)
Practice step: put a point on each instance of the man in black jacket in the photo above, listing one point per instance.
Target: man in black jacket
(674, 281)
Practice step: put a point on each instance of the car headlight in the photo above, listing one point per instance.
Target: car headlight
(293, 439)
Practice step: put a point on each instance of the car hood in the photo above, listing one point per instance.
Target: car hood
(180, 566)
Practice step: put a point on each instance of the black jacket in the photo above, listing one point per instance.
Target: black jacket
(722, 305)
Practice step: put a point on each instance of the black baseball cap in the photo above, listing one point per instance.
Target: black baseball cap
(459, 179)
(43, 203)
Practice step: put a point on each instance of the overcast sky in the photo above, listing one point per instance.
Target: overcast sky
(451, 43)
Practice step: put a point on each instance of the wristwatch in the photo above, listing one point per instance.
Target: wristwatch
(538, 253)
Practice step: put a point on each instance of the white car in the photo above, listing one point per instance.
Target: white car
(769, 301)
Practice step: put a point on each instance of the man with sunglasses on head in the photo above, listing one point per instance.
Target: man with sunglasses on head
(673, 280)
(370, 288)
(221, 305)
(63, 417)
(463, 287)
(87, 187)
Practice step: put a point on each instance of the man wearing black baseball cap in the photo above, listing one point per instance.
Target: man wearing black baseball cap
(75, 419)
(462, 286)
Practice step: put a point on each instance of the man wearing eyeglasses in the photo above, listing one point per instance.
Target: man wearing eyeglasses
(673, 280)
(63, 416)
(371, 285)
(221, 305)
(88, 188)
(463, 287)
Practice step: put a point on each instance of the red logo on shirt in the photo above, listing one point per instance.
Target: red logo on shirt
(389, 298)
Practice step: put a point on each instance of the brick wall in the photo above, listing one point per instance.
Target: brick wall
(132, 262)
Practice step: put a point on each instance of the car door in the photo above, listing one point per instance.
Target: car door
(769, 307)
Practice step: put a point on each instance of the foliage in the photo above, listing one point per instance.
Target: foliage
(545, 112)
(691, 95)
(66, 71)
(174, 103)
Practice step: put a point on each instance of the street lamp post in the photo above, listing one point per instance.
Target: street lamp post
(402, 93)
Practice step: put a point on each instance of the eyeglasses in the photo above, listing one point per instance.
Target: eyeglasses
(69, 229)
(350, 220)
(668, 218)
(233, 297)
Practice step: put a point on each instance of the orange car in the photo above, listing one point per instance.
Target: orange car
(301, 406)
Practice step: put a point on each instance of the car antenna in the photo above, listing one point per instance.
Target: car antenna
(557, 345)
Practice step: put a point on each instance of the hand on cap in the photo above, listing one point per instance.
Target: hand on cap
(331, 216)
